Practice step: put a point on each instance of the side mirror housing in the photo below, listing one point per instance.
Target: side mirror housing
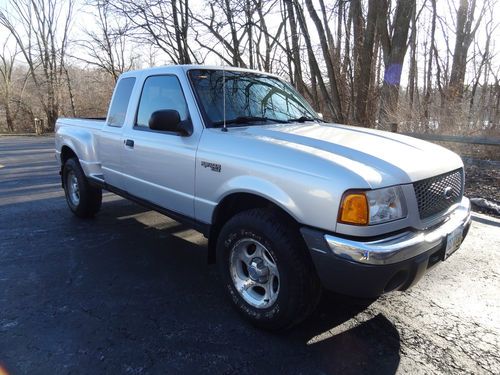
(170, 120)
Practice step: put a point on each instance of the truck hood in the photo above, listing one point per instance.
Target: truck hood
(380, 158)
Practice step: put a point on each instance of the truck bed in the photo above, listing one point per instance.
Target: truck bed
(89, 123)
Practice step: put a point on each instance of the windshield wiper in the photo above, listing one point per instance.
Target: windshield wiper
(247, 119)
(302, 119)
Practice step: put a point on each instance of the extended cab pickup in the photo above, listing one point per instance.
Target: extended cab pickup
(289, 203)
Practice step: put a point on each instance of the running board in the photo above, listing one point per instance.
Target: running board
(200, 226)
(99, 178)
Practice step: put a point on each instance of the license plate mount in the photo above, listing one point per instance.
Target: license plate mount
(453, 241)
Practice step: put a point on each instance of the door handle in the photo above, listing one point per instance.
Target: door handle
(129, 143)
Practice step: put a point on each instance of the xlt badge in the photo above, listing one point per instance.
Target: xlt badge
(213, 166)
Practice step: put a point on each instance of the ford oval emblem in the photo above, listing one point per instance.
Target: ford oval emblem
(448, 192)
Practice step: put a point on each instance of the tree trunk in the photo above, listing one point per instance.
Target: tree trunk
(8, 116)
(356, 17)
(457, 76)
(428, 77)
(249, 29)
(234, 35)
(313, 63)
(295, 47)
(70, 92)
(362, 83)
(413, 59)
(340, 16)
(178, 33)
(394, 58)
(332, 76)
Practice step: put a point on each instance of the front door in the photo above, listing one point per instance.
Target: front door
(160, 165)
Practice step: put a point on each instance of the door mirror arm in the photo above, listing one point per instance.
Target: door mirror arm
(186, 128)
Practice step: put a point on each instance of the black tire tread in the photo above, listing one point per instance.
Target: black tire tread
(305, 291)
(90, 196)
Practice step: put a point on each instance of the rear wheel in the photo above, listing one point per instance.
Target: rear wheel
(266, 270)
(83, 199)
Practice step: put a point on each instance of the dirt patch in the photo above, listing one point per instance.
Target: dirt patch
(482, 180)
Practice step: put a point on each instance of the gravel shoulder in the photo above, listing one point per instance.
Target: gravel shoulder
(482, 180)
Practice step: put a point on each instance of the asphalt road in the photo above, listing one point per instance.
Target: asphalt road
(130, 292)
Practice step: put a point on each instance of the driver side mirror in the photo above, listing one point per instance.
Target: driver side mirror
(170, 120)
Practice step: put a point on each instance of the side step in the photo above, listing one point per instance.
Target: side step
(97, 179)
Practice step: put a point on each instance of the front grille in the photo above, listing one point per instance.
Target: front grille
(438, 193)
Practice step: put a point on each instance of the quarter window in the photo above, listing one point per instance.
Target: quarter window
(158, 93)
(119, 105)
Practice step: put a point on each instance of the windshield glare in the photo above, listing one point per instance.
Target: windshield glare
(248, 95)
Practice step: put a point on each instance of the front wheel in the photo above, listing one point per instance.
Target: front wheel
(266, 270)
(83, 199)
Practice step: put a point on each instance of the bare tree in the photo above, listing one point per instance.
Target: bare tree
(41, 29)
(263, 34)
(6, 68)
(164, 24)
(346, 57)
(107, 45)
(225, 22)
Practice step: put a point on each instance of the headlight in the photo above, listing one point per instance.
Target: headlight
(372, 206)
(385, 204)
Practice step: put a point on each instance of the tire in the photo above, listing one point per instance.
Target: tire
(266, 270)
(83, 199)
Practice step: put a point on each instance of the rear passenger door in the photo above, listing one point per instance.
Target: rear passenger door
(160, 165)
(110, 137)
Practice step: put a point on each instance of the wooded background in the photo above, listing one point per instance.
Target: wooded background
(401, 65)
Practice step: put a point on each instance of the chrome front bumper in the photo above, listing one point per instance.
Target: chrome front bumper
(402, 246)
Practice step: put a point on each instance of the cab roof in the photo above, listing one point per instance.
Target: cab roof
(178, 69)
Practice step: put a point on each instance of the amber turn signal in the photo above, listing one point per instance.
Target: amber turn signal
(354, 209)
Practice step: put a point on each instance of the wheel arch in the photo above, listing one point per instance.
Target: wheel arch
(235, 203)
(66, 153)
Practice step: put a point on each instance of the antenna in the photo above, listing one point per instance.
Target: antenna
(224, 127)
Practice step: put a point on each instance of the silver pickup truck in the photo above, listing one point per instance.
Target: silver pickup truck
(289, 203)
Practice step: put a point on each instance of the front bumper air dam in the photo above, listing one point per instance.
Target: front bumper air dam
(369, 269)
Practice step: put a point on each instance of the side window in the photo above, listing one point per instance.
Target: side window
(121, 98)
(160, 92)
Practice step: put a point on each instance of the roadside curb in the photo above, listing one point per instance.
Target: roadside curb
(26, 135)
(485, 205)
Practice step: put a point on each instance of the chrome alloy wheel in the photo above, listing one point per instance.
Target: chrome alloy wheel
(254, 273)
(73, 188)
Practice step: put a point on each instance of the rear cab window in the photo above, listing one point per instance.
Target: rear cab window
(119, 105)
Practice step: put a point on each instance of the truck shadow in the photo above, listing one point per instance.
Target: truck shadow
(340, 336)
(348, 338)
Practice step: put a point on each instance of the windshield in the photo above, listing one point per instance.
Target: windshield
(251, 98)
